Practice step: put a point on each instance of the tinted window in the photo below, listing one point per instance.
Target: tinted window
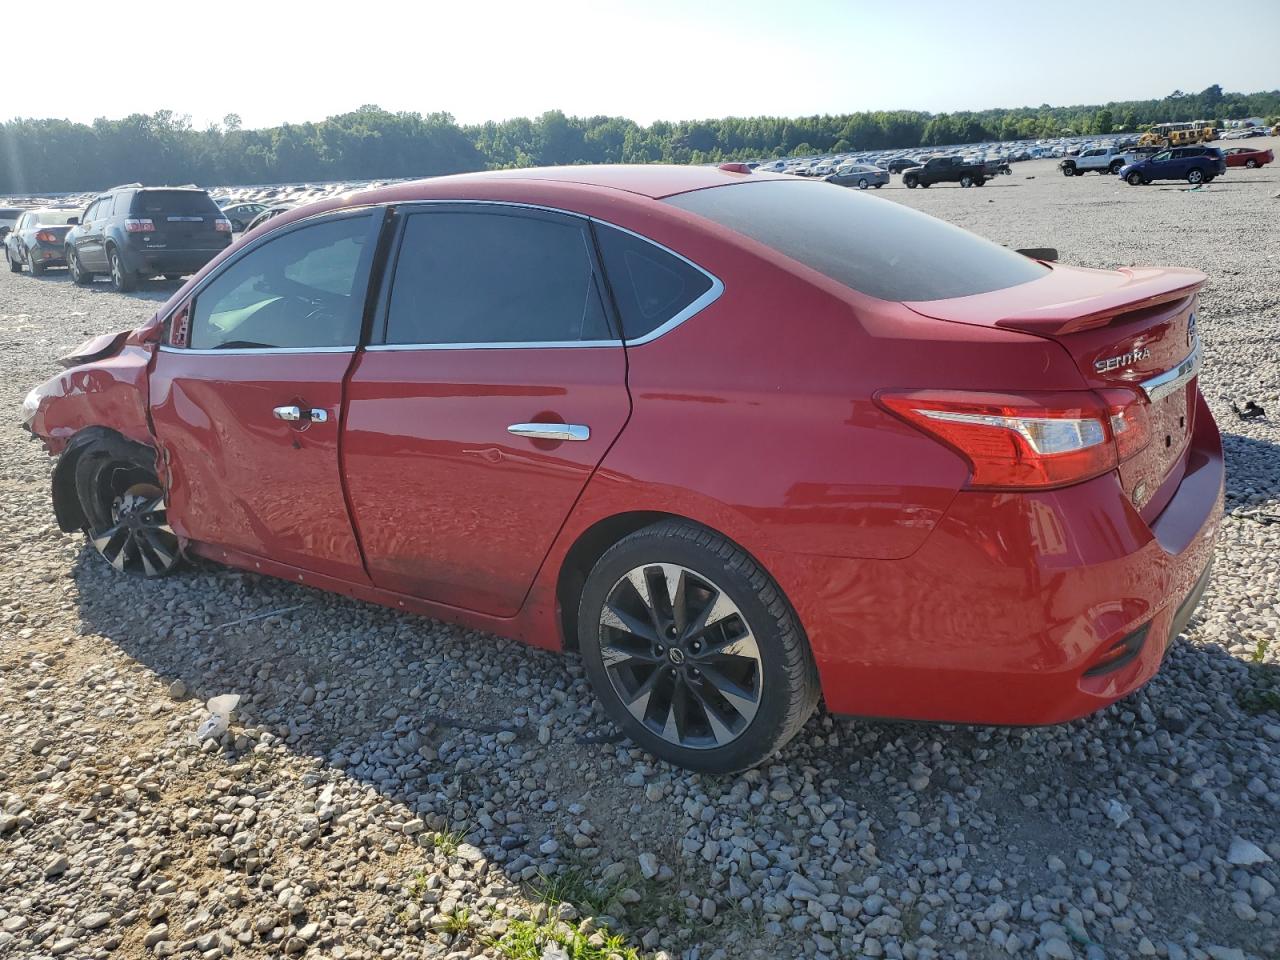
(494, 277)
(175, 203)
(650, 285)
(874, 246)
(53, 218)
(303, 289)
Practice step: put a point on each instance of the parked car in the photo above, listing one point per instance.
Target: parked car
(899, 164)
(37, 240)
(241, 214)
(579, 418)
(1248, 157)
(8, 217)
(861, 176)
(269, 213)
(1105, 160)
(946, 170)
(1194, 164)
(134, 232)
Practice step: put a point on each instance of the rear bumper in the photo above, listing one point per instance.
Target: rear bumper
(1021, 609)
(168, 259)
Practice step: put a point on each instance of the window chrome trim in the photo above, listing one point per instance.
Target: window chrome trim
(1162, 385)
(701, 303)
(250, 351)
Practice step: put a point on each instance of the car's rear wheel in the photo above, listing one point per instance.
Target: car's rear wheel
(125, 517)
(1135, 179)
(1115, 167)
(79, 275)
(862, 184)
(693, 650)
(1195, 176)
(1251, 164)
(34, 265)
(123, 279)
(911, 182)
(979, 181)
(966, 181)
(1068, 171)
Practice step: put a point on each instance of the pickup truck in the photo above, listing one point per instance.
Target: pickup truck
(946, 170)
(1104, 160)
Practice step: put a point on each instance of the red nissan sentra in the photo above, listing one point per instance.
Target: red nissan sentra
(742, 440)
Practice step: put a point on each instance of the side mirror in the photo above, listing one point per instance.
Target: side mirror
(73, 221)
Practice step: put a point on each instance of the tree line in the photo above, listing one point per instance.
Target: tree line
(372, 143)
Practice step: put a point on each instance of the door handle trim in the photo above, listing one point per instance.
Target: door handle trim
(295, 414)
(551, 431)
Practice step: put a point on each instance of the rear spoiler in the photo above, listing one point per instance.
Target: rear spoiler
(1145, 291)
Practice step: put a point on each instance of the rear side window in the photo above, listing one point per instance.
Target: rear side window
(492, 278)
(651, 286)
(877, 247)
(173, 203)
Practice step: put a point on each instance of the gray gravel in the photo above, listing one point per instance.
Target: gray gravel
(394, 787)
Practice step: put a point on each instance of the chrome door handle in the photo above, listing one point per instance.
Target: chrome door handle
(295, 414)
(551, 431)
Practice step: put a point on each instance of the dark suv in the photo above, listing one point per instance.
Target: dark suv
(1196, 165)
(135, 232)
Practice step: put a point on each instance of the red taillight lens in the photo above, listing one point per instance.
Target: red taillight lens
(46, 236)
(1015, 441)
(139, 226)
(1129, 419)
(222, 225)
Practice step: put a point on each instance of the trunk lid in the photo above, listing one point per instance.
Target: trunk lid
(1130, 328)
(183, 219)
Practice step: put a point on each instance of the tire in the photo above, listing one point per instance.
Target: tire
(910, 182)
(772, 675)
(879, 185)
(1134, 179)
(13, 267)
(980, 181)
(34, 265)
(124, 281)
(1069, 170)
(966, 181)
(925, 184)
(1115, 168)
(122, 503)
(79, 276)
(1195, 176)
(1251, 164)
(862, 184)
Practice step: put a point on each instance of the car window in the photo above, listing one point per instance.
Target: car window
(90, 212)
(877, 247)
(493, 277)
(173, 203)
(1162, 157)
(304, 288)
(650, 285)
(52, 218)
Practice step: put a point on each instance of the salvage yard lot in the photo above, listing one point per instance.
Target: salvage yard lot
(394, 787)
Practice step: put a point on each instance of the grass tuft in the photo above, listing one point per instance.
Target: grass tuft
(526, 940)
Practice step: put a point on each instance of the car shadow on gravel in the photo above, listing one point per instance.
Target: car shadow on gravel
(160, 290)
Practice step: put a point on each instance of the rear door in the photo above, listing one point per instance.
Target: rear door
(494, 386)
(89, 246)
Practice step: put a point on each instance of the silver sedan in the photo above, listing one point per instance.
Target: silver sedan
(859, 175)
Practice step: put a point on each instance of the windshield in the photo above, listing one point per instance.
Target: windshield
(54, 218)
(874, 246)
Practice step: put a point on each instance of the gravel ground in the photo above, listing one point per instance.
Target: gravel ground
(394, 787)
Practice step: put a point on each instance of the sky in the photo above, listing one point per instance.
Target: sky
(272, 62)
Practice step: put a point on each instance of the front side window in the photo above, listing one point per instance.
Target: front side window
(1162, 157)
(302, 289)
(494, 277)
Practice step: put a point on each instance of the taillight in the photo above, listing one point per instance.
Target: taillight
(1130, 421)
(139, 226)
(1020, 441)
(46, 236)
(222, 225)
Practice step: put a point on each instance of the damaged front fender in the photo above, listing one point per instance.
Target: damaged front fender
(110, 392)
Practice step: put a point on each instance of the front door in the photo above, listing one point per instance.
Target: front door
(247, 396)
(89, 246)
(497, 387)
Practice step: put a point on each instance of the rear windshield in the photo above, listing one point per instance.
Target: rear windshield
(54, 218)
(11, 213)
(174, 203)
(877, 247)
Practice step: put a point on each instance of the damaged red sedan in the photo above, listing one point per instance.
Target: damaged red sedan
(742, 440)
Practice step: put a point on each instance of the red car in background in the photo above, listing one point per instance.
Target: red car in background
(1247, 157)
(742, 440)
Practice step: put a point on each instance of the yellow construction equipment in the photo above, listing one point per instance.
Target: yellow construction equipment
(1179, 134)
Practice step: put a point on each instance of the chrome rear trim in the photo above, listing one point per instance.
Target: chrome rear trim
(1161, 386)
